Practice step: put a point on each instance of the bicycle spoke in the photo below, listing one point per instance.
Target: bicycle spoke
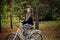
(36, 37)
(11, 37)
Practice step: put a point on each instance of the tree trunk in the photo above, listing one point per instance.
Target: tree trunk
(0, 24)
(36, 14)
(1, 11)
(24, 6)
(11, 5)
(11, 24)
(19, 18)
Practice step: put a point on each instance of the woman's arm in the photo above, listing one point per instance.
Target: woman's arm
(28, 16)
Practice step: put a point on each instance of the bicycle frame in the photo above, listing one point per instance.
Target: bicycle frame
(20, 34)
(25, 33)
(20, 30)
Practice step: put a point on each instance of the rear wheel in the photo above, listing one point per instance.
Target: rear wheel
(36, 36)
(11, 36)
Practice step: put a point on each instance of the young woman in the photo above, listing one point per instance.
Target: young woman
(28, 21)
(29, 18)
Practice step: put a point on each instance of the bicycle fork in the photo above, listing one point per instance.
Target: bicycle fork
(15, 35)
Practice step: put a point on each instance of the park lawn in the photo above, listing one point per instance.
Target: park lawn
(46, 28)
(43, 24)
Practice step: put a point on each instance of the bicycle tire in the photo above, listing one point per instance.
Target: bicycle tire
(9, 37)
(31, 37)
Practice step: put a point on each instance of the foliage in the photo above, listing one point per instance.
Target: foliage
(48, 9)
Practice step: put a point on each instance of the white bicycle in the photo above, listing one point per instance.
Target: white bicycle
(25, 34)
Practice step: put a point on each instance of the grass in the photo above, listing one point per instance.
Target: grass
(46, 32)
(49, 23)
(41, 23)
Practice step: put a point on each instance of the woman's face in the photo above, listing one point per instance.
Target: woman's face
(28, 10)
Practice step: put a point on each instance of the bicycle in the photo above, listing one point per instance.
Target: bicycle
(20, 35)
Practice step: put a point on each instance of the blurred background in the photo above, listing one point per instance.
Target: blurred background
(14, 11)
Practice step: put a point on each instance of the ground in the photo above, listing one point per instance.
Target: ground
(49, 33)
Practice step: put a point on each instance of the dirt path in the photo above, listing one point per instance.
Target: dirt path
(48, 33)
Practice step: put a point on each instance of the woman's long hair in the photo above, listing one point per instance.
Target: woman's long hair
(29, 10)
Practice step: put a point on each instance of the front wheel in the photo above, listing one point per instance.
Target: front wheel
(11, 37)
(36, 36)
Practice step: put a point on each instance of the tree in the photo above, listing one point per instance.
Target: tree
(1, 11)
(0, 22)
(37, 10)
(9, 3)
(48, 16)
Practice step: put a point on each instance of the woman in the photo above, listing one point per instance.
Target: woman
(29, 18)
(28, 21)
